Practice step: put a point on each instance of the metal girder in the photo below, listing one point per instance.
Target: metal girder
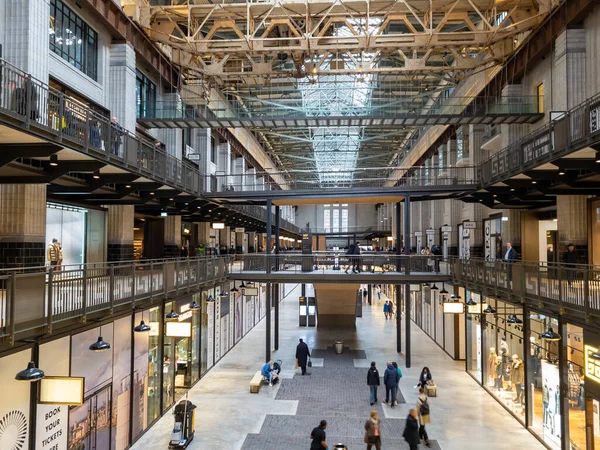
(249, 37)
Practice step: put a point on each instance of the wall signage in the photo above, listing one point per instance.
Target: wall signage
(469, 225)
(592, 363)
(446, 229)
(51, 433)
(429, 231)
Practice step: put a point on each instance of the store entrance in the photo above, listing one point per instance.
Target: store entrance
(89, 424)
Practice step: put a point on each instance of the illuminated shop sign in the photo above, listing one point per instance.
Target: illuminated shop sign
(592, 363)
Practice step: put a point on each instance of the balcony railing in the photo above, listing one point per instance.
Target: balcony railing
(37, 299)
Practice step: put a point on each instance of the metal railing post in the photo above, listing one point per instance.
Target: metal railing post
(133, 288)
(12, 303)
(111, 288)
(176, 277)
(84, 298)
(50, 299)
(586, 292)
(151, 281)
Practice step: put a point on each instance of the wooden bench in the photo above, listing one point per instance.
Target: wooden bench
(256, 382)
(431, 389)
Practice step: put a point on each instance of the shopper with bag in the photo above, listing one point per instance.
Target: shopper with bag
(302, 355)
(372, 432)
(424, 418)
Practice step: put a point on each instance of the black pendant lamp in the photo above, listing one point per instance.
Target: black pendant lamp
(444, 291)
(100, 345)
(514, 319)
(141, 328)
(172, 315)
(489, 310)
(242, 286)
(470, 302)
(425, 284)
(234, 289)
(32, 373)
(550, 335)
(435, 288)
(210, 299)
(455, 297)
(194, 305)
(222, 294)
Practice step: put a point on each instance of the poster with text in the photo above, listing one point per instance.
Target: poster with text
(210, 311)
(224, 328)
(238, 318)
(14, 406)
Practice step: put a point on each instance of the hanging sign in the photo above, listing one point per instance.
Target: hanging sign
(446, 229)
(240, 230)
(469, 225)
(429, 231)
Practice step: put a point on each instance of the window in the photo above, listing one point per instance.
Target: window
(72, 39)
(344, 220)
(327, 218)
(540, 97)
(335, 218)
(213, 150)
(145, 91)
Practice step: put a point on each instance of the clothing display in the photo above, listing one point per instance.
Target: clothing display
(491, 369)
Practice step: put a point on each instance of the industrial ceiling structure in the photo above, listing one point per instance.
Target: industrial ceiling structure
(316, 59)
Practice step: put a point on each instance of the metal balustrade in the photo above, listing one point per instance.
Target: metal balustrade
(35, 300)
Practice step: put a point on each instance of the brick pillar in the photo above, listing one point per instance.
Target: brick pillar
(572, 224)
(120, 232)
(122, 97)
(22, 225)
(172, 236)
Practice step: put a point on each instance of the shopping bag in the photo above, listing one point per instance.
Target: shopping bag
(297, 366)
(309, 363)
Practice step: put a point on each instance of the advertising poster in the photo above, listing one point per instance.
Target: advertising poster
(551, 409)
(239, 319)
(249, 311)
(232, 317)
(210, 310)
(53, 420)
(121, 383)
(14, 407)
(217, 329)
(224, 328)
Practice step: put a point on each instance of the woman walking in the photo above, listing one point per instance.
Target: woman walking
(424, 418)
(411, 430)
(372, 435)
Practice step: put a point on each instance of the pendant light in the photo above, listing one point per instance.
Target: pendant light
(444, 291)
(425, 284)
(222, 294)
(489, 310)
(234, 289)
(210, 299)
(242, 286)
(514, 319)
(194, 305)
(100, 345)
(435, 288)
(141, 328)
(550, 335)
(470, 302)
(32, 373)
(172, 315)
(455, 297)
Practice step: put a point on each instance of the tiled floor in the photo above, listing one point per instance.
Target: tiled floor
(463, 416)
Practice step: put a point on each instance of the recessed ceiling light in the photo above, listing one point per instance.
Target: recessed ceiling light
(151, 193)
(96, 174)
(534, 182)
(128, 186)
(512, 190)
(561, 173)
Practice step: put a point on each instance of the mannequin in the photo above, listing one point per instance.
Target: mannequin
(517, 377)
(492, 366)
(503, 346)
(499, 369)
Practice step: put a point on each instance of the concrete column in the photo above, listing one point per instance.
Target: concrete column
(476, 133)
(22, 225)
(451, 153)
(172, 236)
(122, 85)
(225, 238)
(120, 232)
(572, 224)
(26, 37)
(251, 181)
(239, 178)
(203, 232)
(252, 247)
(452, 218)
(569, 81)
(511, 133)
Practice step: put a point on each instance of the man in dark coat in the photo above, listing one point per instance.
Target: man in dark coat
(411, 430)
(302, 355)
(570, 258)
(373, 382)
(391, 378)
(356, 263)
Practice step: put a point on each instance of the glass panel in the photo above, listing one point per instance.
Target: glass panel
(336, 220)
(344, 220)
(327, 219)
(474, 346)
(68, 226)
(168, 366)
(154, 357)
(544, 381)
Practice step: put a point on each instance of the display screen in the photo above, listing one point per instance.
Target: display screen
(311, 310)
(302, 310)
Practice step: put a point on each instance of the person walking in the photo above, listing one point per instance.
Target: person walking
(395, 364)
(509, 257)
(411, 430)
(373, 381)
(318, 437)
(302, 355)
(372, 431)
(423, 411)
(60, 256)
(390, 379)
(356, 265)
(570, 259)
(386, 309)
(52, 253)
(350, 255)
(378, 292)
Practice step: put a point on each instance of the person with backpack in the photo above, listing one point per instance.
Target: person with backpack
(373, 382)
(423, 410)
(411, 430)
(391, 380)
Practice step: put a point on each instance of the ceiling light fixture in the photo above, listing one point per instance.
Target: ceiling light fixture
(32, 373)
(550, 335)
(141, 328)
(100, 345)
(489, 310)
(54, 160)
(172, 315)
(96, 174)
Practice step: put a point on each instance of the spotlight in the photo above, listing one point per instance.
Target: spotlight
(32, 373)
(96, 175)
(54, 160)
(100, 345)
(142, 327)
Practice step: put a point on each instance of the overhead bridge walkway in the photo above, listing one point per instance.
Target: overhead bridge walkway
(292, 113)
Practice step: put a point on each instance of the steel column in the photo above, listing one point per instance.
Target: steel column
(277, 223)
(269, 232)
(268, 317)
(407, 324)
(398, 247)
(398, 318)
(276, 300)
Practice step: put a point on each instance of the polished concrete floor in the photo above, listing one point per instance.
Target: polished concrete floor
(463, 415)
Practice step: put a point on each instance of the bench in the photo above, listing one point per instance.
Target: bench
(256, 382)
(431, 389)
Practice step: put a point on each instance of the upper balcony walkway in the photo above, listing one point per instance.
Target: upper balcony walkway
(36, 301)
(276, 112)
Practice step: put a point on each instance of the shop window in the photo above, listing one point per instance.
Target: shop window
(540, 97)
(575, 387)
(544, 381)
(474, 355)
(72, 39)
(168, 366)
(502, 355)
(67, 224)
(145, 95)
